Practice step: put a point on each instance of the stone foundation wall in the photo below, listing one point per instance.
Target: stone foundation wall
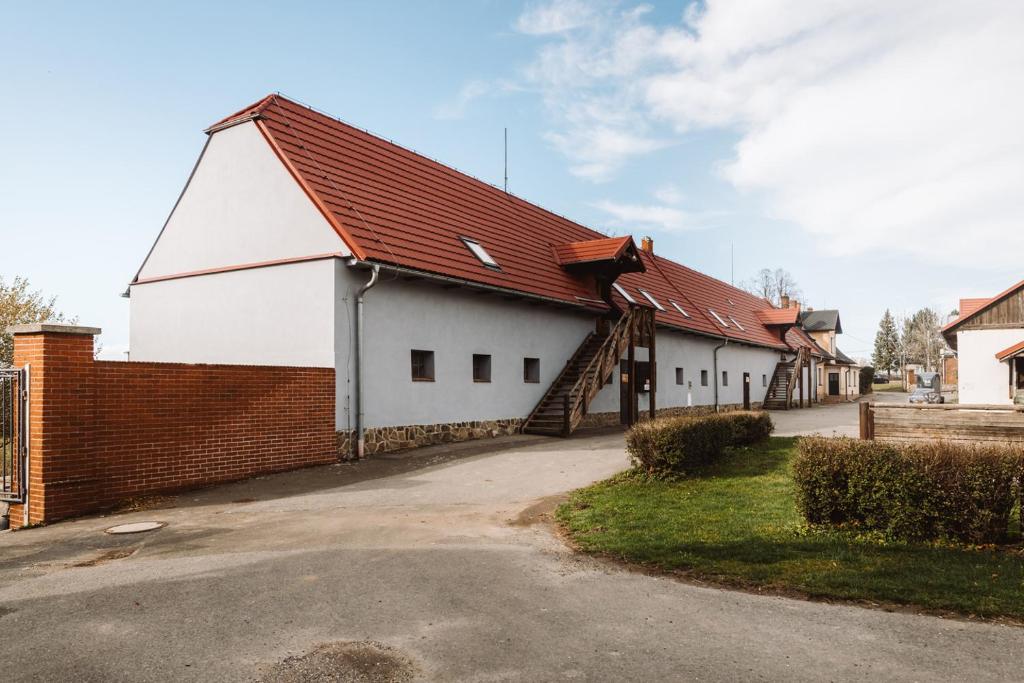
(390, 439)
(611, 419)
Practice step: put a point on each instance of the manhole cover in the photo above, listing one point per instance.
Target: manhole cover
(135, 527)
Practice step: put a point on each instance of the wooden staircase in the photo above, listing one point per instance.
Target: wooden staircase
(566, 402)
(778, 396)
(784, 381)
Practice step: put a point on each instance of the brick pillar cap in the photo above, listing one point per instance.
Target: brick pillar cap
(61, 328)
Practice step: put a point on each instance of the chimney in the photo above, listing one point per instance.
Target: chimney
(784, 301)
(647, 244)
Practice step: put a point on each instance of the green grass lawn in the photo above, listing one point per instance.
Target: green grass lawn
(891, 386)
(737, 523)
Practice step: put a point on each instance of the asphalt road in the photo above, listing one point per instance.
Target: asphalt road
(436, 557)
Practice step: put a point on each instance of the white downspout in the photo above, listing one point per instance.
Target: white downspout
(360, 324)
(715, 370)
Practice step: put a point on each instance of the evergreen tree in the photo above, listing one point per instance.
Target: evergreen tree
(887, 344)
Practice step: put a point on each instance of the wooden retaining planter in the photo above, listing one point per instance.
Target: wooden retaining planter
(968, 422)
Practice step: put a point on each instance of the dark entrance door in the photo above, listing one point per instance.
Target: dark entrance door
(625, 392)
(833, 384)
(746, 391)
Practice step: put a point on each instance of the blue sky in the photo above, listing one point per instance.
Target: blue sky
(704, 129)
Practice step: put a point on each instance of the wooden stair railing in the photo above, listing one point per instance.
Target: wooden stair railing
(577, 385)
(798, 369)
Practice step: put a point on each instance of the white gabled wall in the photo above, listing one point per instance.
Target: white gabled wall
(456, 323)
(241, 206)
(280, 315)
(981, 378)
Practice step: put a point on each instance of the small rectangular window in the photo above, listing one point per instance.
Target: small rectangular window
(481, 253)
(736, 323)
(725, 378)
(422, 366)
(679, 376)
(647, 295)
(718, 318)
(703, 378)
(481, 367)
(764, 380)
(531, 370)
(625, 295)
(679, 308)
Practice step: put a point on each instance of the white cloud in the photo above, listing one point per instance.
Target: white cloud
(659, 218)
(669, 194)
(456, 108)
(553, 17)
(870, 124)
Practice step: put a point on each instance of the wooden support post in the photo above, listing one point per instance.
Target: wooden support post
(631, 369)
(801, 384)
(867, 419)
(653, 366)
(566, 415)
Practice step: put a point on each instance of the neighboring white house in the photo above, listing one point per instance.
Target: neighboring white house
(297, 236)
(988, 337)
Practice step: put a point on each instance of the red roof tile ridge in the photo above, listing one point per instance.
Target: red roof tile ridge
(1010, 351)
(448, 168)
(244, 113)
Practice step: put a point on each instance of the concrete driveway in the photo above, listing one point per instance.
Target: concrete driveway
(837, 419)
(435, 556)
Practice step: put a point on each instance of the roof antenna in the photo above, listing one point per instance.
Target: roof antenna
(732, 263)
(506, 160)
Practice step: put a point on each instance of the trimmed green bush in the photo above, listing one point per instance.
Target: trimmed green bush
(677, 445)
(923, 491)
(749, 427)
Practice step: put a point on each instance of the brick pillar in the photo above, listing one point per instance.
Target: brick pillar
(61, 466)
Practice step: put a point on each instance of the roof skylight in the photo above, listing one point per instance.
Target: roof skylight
(718, 318)
(481, 253)
(679, 308)
(736, 323)
(650, 298)
(625, 295)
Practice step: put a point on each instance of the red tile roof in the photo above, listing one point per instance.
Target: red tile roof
(968, 307)
(778, 316)
(1010, 352)
(393, 206)
(607, 249)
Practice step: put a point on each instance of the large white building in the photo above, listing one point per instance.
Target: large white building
(988, 338)
(449, 308)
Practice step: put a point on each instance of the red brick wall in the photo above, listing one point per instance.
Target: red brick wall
(103, 432)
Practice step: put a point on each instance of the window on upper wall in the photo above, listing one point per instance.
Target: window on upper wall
(679, 308)
(764, 380)
(531, 370)
(718, 318)
(625, 295)
(703, 378)
(422, 366)
(649, 297)
(481, 367)
(725, 378)
(679, 376)
(481, 253)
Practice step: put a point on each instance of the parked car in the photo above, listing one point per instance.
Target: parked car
(880, 379)
(929, 388)
(926, 395)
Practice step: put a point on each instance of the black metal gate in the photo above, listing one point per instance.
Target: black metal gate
(13, 434)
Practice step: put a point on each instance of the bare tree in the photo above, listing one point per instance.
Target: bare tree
(19, 304)
(773, 285)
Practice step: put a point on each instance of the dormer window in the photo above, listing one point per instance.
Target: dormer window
(718, 318)
(625, 295)
(647, 295)
(679, 308)
(481, 253)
